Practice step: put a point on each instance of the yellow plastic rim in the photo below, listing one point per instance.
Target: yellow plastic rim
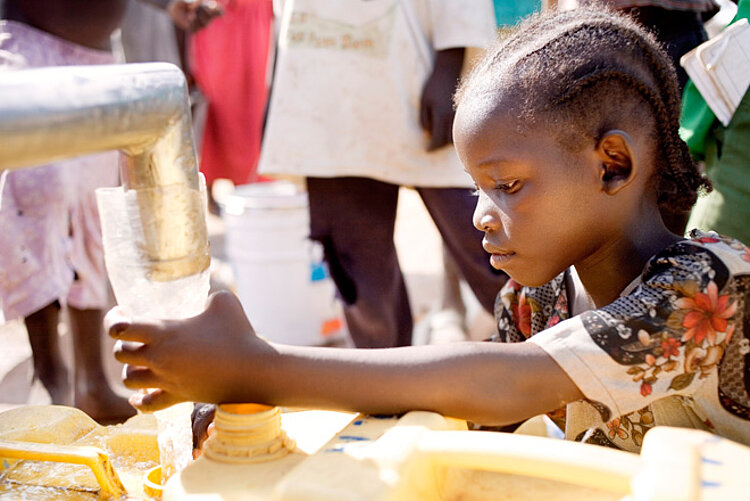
(244, 408)
(152, 483)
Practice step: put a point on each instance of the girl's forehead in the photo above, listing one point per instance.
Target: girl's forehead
(478, 116)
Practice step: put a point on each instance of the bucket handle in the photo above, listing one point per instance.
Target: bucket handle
(582, 464)
(93, 457)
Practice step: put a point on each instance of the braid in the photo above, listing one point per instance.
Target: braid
(677, 187)
(600, 61)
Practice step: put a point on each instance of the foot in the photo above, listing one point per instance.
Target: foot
(447, 326)
(58, 391)
(104, 405)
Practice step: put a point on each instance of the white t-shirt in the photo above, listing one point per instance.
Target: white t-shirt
(345, 100)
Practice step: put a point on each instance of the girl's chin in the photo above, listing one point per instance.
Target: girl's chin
(529, 279)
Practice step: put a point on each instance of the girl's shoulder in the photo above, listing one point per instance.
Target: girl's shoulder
(704, 256)
(734, 254)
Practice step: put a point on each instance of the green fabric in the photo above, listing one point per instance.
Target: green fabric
(697, 118)
(726, 151)
(727, 208)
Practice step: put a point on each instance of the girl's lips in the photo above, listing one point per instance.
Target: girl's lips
(498, 259)
(503, 256)
(491, 249)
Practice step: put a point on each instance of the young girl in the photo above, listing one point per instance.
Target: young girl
(569, 129)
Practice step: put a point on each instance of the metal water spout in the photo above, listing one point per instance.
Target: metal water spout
(142, 110)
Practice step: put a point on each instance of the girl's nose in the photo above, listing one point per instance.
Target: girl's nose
(484, 219)
(484, 223)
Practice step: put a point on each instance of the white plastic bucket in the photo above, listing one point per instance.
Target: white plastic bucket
(277, 268)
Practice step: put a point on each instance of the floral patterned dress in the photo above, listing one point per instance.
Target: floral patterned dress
(674, 350)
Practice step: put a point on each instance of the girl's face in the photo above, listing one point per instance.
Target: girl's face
(541, 207)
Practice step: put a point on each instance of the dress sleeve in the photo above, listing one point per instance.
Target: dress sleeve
(462, 23)
(665, 338)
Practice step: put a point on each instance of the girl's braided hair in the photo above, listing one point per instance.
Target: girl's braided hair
(584, 72)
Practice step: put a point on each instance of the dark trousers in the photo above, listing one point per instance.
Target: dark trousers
(354, 219)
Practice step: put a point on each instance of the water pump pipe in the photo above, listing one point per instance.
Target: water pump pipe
(50, 114)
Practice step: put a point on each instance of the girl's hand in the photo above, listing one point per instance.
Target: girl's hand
(199, 359)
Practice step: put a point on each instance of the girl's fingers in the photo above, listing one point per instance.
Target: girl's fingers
(152, 400)
(120, 326)
(137, 378)
(115, 320)
(128, 352)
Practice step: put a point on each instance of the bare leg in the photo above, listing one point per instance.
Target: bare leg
(451, 294)
(49, 365)
(447, 324)
(93, 395)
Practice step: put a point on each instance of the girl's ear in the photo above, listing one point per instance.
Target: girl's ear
(616, 153)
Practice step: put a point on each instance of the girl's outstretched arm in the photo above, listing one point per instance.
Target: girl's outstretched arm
(216, 357)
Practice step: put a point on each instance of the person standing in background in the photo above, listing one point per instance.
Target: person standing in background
(51, 250)
(50, 244)
(362, 104)
(726, 152)
(228, 60)
(448, 323)
(148, 34)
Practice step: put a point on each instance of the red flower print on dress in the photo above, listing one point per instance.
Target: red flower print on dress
(708, 314)
(514, 285)
(646, 389)
(522, 314)
(671, 347)
(616, 430)
(706, 240)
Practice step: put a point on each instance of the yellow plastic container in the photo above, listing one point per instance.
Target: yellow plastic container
(419, 456)
(152, 488)
(257, 452)
(423, 455)
(250, 452)
(56, 452)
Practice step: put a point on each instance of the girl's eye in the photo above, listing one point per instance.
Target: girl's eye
(509, 187)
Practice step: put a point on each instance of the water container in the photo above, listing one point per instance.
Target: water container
(425, 456)
(59, 453)
(281, 280)
(258, 453)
